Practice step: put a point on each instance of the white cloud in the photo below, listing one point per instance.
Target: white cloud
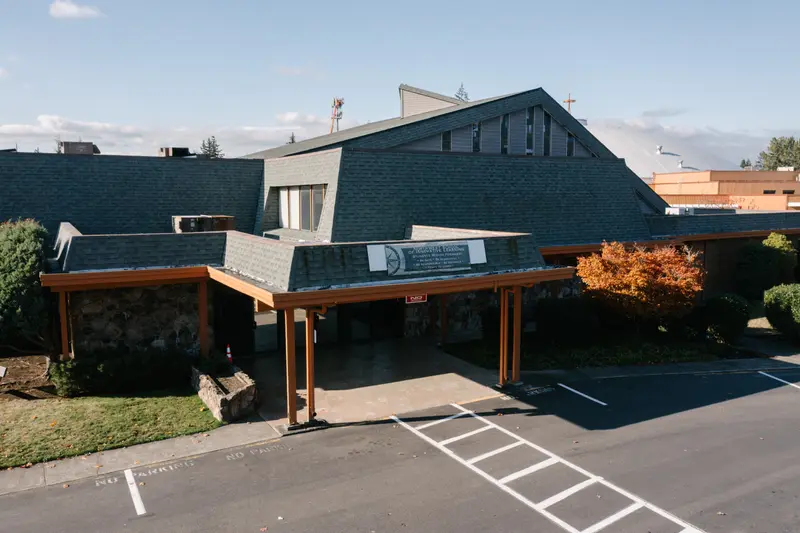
(141, 140)
(67, 9)
(3, 72)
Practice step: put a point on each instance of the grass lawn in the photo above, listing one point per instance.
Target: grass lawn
(612, 351)
(41, 430)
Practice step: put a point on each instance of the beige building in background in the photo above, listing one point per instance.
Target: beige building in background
(732, 189)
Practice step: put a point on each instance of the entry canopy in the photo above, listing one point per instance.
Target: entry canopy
(282, 274)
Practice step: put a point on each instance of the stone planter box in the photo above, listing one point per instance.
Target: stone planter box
(228, 398)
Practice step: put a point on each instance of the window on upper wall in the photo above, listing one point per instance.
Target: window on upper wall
(788, 191)
(447, 141)
(570, 144)
(769, 191)
(548, 124)
(476, 137)
(529, 131)
(504, 125)
(301, 207)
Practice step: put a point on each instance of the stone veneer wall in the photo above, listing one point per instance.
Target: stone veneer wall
(138, 318)
(464, 310)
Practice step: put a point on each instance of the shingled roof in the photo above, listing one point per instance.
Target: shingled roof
(560, 200)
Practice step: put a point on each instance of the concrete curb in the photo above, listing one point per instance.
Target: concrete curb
(98, 464)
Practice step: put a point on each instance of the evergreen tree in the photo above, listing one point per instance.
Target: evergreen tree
(781, 152)
(291, 139)
(462, 93)
(745, 163)
(211, 149)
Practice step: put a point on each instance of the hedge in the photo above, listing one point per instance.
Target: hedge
(782, 308)
(112, 373)
(23, 306)
(726, 317)
(764, 265)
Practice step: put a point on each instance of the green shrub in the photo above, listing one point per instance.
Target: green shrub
(566, 320)
(23, 306)
(782, 308)
(112, 373)
(726, 317)
(764, 265)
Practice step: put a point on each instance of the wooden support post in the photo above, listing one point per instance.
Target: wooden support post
(310, 404)
(202, 317)
(62, 311)
(503, 337)
(517, 335)
(291, 368)
(443, 317)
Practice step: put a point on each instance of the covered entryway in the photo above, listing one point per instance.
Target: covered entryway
(361, 376)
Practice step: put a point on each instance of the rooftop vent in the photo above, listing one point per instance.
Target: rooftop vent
(173, 151)
(78, 148)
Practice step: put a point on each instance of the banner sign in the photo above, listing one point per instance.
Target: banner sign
(420, 258)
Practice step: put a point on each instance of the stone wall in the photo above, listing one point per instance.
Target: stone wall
(138, 318)
(466, 309)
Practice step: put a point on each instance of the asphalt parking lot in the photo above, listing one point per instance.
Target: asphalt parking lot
(660, 454)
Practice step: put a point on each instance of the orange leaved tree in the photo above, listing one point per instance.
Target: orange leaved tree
(651, 286)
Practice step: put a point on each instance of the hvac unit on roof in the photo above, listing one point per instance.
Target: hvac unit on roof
(679, 211)
(786, 169)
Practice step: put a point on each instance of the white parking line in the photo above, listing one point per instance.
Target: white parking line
(138, 504)
(579, 393)
(541, 508)
(494, 452)
(457, 438)
(564, 494)
(779, 379)
(429, 424)
(632, 508)
(530, 470)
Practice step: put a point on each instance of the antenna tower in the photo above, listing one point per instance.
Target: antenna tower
(336, 112)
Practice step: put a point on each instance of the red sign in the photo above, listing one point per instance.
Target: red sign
(417, 299)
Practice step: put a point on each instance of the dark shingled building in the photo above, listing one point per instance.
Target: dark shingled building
(450, 197)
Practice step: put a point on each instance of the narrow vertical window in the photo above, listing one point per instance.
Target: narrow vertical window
(570, 144)
(476, 137)
(529, 131)
(447, 141)
(305, 207)
(504, 124)
(318, 199)
(284, 202)
(548, 124)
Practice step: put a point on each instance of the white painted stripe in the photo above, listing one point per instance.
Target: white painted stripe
(138, 504)
(451, 417)
(655, 509)
(494, 452)
(552, 500)
(451, 440)
(579, 393)
(484, 475)
(530, 470)
(795, 385)
(613, 518)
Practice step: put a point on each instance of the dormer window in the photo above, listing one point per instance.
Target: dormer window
(301, 207)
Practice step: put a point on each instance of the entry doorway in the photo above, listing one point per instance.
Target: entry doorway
(370, 321)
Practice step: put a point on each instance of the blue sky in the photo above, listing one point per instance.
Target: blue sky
(138, 74)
